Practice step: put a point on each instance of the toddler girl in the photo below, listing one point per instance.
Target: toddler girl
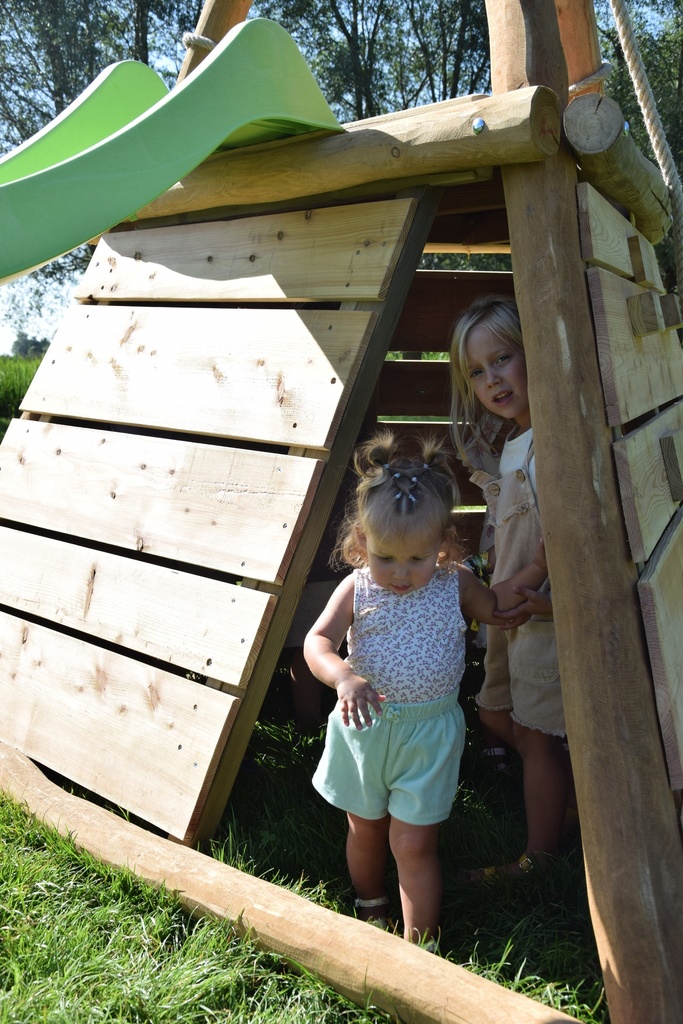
(394, 741)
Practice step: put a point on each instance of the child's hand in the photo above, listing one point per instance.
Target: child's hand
(536, 602)
(356, 696)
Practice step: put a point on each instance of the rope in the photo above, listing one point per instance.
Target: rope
(191, 40)
(598, 76)
(655, 129)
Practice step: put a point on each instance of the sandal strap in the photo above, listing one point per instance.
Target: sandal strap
(377, 902)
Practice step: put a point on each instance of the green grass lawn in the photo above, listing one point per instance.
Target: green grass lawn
(80, 942)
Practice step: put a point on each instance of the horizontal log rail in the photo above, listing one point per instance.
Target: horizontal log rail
(610, 161)
(439, 139)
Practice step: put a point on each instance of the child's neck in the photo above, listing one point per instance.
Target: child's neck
(517, 431)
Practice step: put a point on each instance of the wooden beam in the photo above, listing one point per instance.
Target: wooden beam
(580, 43)
(647, 473)
(365, 964)
(437, 139)
(632, 843)
(215, 21)
(613, 164)
(672, 453)
(659, 588)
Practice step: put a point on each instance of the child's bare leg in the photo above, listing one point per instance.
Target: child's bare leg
(546, 785)
(419, 877)
(367, 849)
(498, 723)
(545, 766)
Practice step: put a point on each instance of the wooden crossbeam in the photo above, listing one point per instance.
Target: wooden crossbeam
(638, 374)
(647, 497)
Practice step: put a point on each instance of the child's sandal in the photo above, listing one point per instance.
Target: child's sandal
(497, 873)
(378, 920)
(498, 758)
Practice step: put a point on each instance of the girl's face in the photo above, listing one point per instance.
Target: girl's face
(496, 371)
(402, 565)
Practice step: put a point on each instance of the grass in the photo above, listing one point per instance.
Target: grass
(80, 942)
(15, 376)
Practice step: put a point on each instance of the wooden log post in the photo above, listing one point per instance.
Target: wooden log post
(581, 45)
(613, 164)
(215, 21)
(632, 844)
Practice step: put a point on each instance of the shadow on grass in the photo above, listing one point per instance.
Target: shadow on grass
(532, 934)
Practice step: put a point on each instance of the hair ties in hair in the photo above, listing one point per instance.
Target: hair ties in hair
(398, 496)
(412, 497)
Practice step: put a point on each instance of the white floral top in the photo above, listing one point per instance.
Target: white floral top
(410, 647)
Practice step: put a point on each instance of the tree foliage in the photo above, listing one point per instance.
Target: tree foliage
(26, 347)
(49, 53)
(374, 56)
(369, 56)
(659, 34)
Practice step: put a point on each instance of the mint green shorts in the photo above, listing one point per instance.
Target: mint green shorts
(406, 764)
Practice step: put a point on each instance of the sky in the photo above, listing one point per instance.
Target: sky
(7, 336)
(41, 323)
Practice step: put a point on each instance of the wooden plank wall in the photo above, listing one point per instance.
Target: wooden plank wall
(416, 389)
(156, 496)
(641, 364)
(179, 453)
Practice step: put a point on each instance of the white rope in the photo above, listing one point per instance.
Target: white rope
(191, 40)
(598, 76)
(655, 129)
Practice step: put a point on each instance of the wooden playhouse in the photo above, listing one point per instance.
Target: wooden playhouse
(183, 442)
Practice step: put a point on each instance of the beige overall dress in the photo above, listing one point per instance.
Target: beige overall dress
(522, 674)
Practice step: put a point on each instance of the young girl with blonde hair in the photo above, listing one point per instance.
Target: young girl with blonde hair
(520, 701)
(394, 741)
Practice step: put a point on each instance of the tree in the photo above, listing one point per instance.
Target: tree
(25, 347)
(659, 34)
(49, 53)
(373, 56)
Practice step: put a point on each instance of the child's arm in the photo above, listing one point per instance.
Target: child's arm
(481, 603)
(321, 651)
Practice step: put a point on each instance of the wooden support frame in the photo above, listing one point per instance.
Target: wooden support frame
(612, 726)
(407, 982)
(635, 898)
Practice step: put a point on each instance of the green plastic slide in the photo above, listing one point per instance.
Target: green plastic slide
(127, 139)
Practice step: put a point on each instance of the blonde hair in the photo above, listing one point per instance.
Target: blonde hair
(470, 421)
(401, 493)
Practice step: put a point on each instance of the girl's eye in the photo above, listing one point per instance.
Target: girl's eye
(474, 373)
(503, 358)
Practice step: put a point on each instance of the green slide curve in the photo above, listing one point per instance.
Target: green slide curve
(127, 139)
